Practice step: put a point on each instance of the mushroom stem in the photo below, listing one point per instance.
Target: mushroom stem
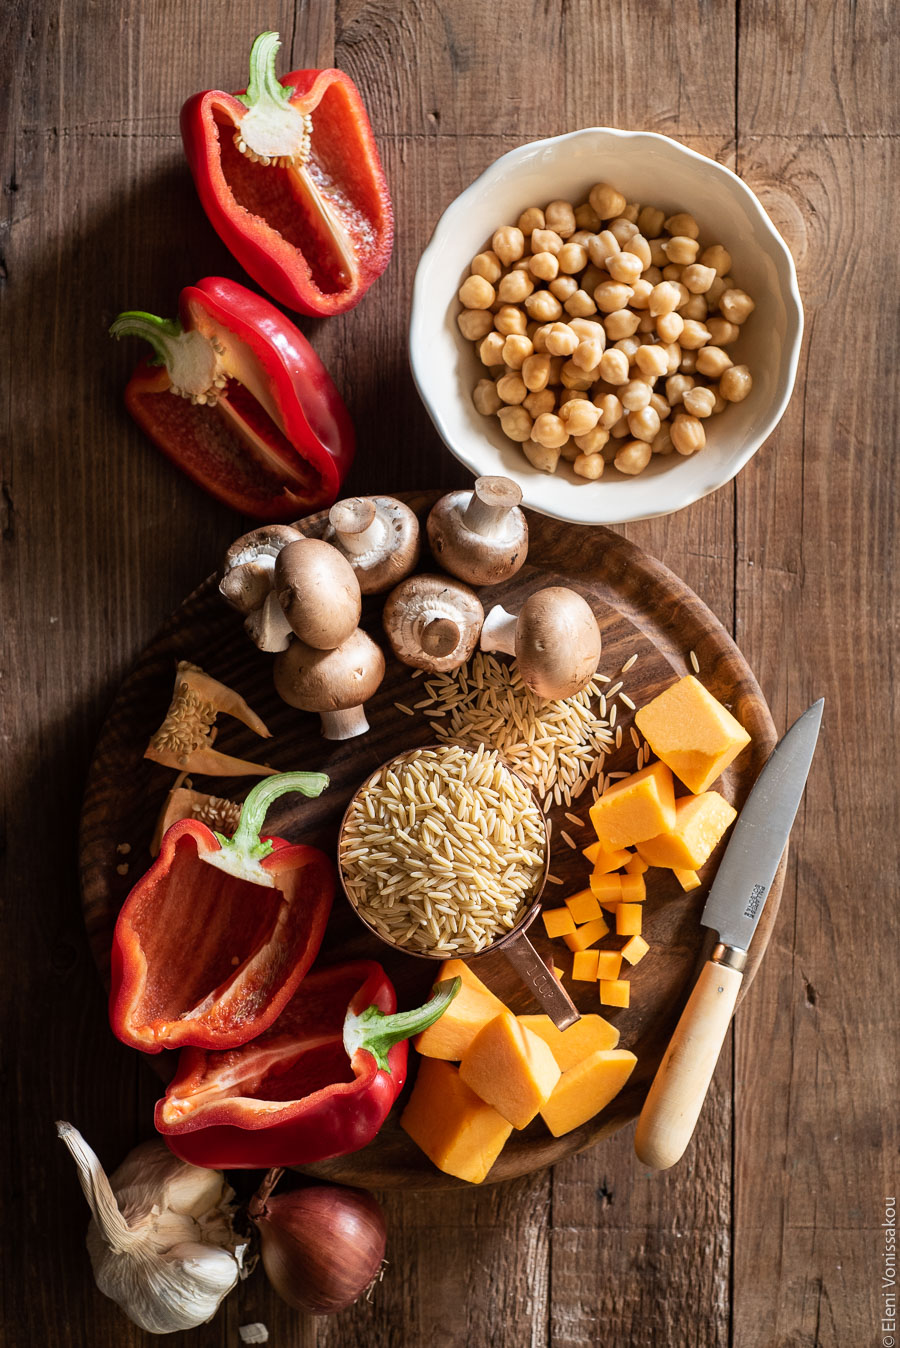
(440, 636)
(268, 627)
(344, 724)
(357, 524)
(499, 631)
(489, 505)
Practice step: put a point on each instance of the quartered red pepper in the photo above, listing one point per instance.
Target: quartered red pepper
(289, 175)
(236, 397)
(320, 1082)
(213, 941)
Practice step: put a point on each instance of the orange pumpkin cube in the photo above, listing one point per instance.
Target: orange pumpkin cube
(557, 921)
(584, 966)
(634, 889)
(692, 732)
(510, 1069)
(586, 1088)
(636, 866)
(578, 1042)
(583, 906)
(687, 879)
(609, 964)
(628, 919)
(607, 889)
(699, 824)
(588, 935)
(635, 950)
(636, 807)
(614, 992)
(457, 1131)
(604, 860)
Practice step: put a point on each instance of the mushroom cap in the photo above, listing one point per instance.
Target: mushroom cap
(249, 565)
(480, 558)
(419, 617)
(394, 552)
(557, 642)
(319, 592)
(316, 680)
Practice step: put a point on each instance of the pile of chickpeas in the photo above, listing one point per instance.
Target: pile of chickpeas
(603, 328)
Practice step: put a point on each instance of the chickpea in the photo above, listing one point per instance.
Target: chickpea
(614, 367)
(663, 299)
(622, 230)
(609, 296)
(569, 451)
(539, 336)
(568, 395)
(671, 272)
(593, 441)
(681, 250)
(606, 201)
(727, 282)
(509, 318)
(620, 430)
(644, 423)
(546, 241)
(629, 346)
(476, 293)
(582, 237)
(543, 265)
(508, 243)
(634, 395)
(593, 276)
(687, 434)
(543, 306)
(491, 349)
(521, 264)
(580, 305)
(698, 278)
(674, 355)
(590, 466)
(639, 246)
(631, 212)
(602, 246)
(735, 384)
(536, 403)
(540, 456)
(536, 373)
(720, 404)
(650, 221)
(512, 390)
(625, 267)
(735, 305)
(653, 275)
(561, 340)
(651, 360)
(611, 409)
(621, 323)
(550, 431)
(683, 224)
(560, 215)
(579, 416)
(516, 351)
(677, 386)
(718, 258)
(657, 253)
(573, 377)
(587, 218)
(556, 368)
(563, 288)
(487, 264)
(588, 353)
(647, 324)
(659, 405)
(693, 335)
(670, 326)
(721, 332)
(633, 457)
(486, 398)
(684, 295)
(531, 219)
(713, 361)
(715, 292)
(516, 422)
(475, 323)
(585, 328)
(696, 308)
(572, 258)
(699, 401)
(515, 287)
(640, 298)
(688, 362)
(662, 442)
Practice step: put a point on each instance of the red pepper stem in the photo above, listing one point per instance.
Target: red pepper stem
(263, 85)
(189, 357)
(377, 1033)
(272, 130)
(246, 842)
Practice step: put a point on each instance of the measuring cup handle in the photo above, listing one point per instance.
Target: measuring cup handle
(544, 985)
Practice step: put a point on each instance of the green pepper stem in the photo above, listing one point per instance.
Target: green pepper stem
(246, 840)
(163, 334)
(377, 1032)
(190, 359)
(263, 86)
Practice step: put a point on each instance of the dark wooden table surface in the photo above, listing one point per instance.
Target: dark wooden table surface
(770, 1231)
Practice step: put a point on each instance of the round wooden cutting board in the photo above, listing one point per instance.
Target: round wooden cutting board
(641, 607)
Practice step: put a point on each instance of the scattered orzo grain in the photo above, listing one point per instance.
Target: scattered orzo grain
(695, 663)
(567, 838)
(628, 663)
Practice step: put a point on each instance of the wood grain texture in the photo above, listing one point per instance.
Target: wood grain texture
(768, 1231)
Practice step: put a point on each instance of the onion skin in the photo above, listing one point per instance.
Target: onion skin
(321, 1246)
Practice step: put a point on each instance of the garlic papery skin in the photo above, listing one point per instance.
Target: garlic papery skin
(161, 1242)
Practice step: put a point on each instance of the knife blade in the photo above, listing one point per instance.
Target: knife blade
(733, 909)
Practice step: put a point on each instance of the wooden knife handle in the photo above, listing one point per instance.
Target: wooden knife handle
(679, 1088)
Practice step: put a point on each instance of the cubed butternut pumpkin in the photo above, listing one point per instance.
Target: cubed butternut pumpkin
(510, 1068)
(614, 992)
(700, 822)
(588, 935)
(609, 964)
(635, 949)
(558, 921)
(607, 889)
(635, 808)
(584, 966)
(583, 906)
(692, 732)
(687, 879)
(636, 866)
(579, 1041)
(457, 1131)
(628, 919)
(473, 1006)
(634, 890)
(586, 1088)
(603, 859)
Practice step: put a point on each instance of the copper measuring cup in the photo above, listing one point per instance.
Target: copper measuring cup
(515, 945)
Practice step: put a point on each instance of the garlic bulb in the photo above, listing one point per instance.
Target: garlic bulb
(160, 1242)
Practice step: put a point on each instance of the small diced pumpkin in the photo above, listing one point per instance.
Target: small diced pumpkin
(586, 1088)
(634, 890)
(583, 906)
(557, 974)
(461, 1134)
(510, 1068)
(635, 808)
(628, 919)
(588, 935)
(609, 964)
(584, 966)
(700, 822)
(636, 866)
(473, 1006)
(687, 879)
(603, 859)
(614, 992)
(607, 889)
(692, 732)
(579, 1041)
(635, 949)
(558, 921)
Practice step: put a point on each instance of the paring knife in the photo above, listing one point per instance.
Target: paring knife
(733, 909)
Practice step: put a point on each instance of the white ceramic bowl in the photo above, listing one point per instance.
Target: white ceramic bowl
(653, 170)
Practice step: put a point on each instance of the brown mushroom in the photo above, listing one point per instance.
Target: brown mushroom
(555, 639)
(318, 591)
(379, 536)
(247, 577)
(480, 536)
(335, 683)
(432, 622)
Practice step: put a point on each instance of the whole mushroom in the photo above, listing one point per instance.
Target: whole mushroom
(334, 683)
(248, 574)
(379, 536)
(555, 639)
(432, 622)
(480, 536)
(318, 591)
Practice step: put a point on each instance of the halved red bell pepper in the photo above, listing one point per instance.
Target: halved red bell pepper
(213, 941)
(238, 399)
(319, 1083)
(289, 175)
